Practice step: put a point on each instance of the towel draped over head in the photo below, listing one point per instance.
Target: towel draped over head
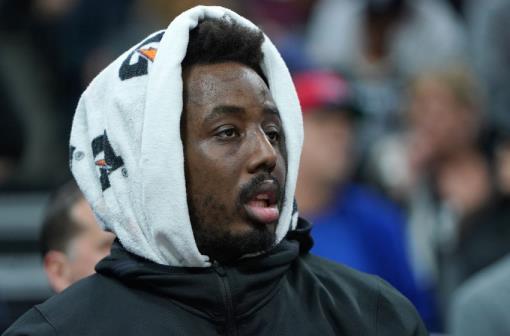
(126, 152)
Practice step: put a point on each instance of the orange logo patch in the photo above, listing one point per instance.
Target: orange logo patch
(149, 53)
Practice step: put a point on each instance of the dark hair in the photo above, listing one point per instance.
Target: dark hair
(58, 226)
(224, 40)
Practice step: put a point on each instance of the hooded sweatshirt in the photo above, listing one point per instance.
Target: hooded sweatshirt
(127, 157)
(126, 149)
(286, 291)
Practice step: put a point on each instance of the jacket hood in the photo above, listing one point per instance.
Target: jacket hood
(126, 152)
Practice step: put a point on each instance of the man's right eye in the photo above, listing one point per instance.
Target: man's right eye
(226, 133)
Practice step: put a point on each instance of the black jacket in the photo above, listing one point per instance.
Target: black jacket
(285, 292)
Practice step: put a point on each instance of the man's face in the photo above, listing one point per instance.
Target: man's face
(83, 252)
(234, 159)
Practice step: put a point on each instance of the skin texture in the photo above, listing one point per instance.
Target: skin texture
(84, 251)
(234, 148)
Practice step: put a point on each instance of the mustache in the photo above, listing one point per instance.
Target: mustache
(249, 189)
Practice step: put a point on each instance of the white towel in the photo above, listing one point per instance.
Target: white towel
(126, 149)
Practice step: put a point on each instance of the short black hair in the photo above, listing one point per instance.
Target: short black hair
(58, 226)
(217, 40)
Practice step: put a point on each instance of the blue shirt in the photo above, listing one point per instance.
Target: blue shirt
(362, 230)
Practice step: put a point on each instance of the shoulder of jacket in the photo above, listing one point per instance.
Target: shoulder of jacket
(78, 299)
(394, 307)
(367, 296)
(33, 322)
(327, 270)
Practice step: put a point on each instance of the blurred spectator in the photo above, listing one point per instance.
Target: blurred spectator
(441, 120)
(484, 236)
(490, 47)
(380, 44)
(480, 306)
(374, 38)
(435, 167)
(352, 225)
(71, 240)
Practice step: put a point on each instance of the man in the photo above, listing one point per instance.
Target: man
(208, 236)
(353, 225)
(71, 240)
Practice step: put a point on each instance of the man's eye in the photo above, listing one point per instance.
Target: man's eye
(273, 135)
(227, 133)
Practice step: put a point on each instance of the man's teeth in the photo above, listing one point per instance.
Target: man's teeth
(259, 203)
(262, 197)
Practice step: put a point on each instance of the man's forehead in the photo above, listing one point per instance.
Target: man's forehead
(223, 82)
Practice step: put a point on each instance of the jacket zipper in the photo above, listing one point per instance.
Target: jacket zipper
(230, 327)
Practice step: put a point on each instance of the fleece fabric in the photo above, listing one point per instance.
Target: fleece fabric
(126, 149)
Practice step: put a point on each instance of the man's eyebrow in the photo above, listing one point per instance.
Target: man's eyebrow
(223, 110)
(272, 110)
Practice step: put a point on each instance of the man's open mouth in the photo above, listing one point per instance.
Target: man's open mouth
(262, 206)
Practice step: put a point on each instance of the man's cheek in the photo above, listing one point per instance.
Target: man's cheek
(281, 172)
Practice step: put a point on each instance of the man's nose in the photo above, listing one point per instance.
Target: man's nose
(262, 155)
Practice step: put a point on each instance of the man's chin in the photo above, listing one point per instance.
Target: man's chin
(251, 226)
(226, 247)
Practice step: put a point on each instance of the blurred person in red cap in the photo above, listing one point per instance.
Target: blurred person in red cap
(352, 224)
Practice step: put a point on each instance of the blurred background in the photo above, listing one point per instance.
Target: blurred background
(406, 163)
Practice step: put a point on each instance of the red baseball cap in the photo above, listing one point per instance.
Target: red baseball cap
(324, 90)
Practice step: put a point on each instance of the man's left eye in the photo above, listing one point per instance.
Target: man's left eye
(273, 134)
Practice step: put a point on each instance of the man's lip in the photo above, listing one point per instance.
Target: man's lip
(262, 204)
(262, 214)
(268, 188)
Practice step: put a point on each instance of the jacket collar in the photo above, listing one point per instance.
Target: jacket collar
(251, 282)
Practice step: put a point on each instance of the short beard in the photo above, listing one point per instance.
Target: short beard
(210, 220)
(225, 247)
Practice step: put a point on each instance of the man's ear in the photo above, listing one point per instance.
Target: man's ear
(58, 270)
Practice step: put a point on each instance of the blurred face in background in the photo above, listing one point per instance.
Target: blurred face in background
(463, 181)
(440, 122)
(83, 252)
(90, 245)
(326, 157)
